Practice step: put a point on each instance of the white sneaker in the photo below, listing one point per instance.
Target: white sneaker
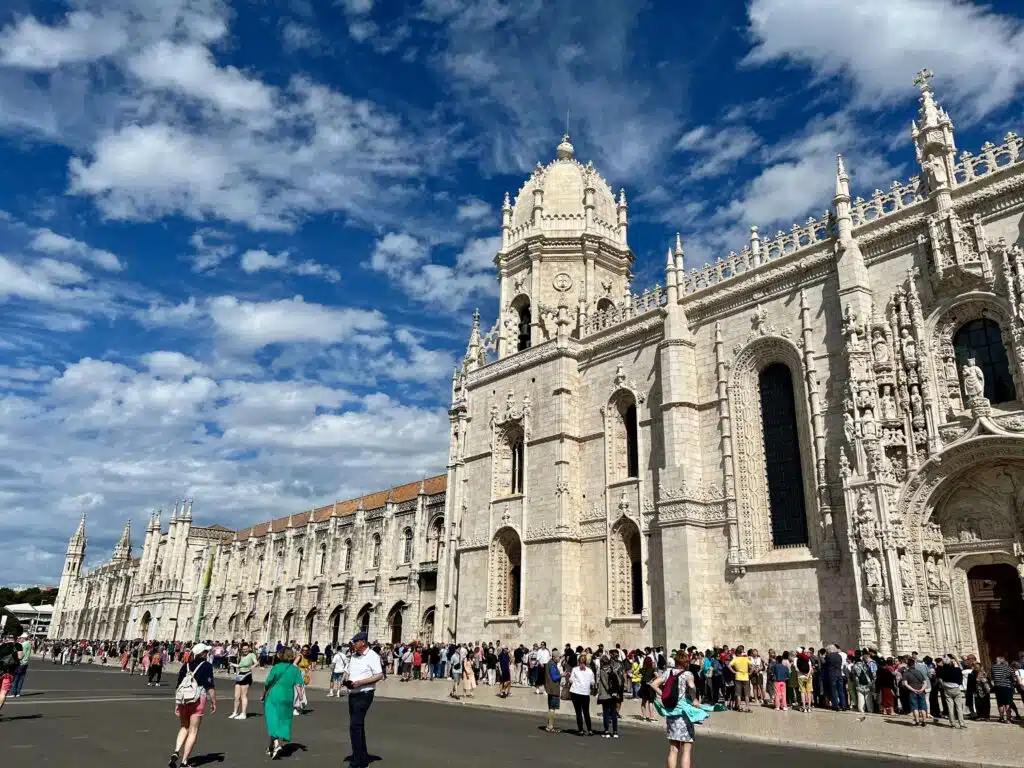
(232, 716)
(296, 712)
(241, 716)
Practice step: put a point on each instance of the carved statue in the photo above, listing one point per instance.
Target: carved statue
(879, 346)
(973, 379)
(888, 403)
(848, 427)
(868, 425)
(909, 346)
(935, 171)
(906, 571)
(844, 465)
(873, 572)
(934, 582)
(916, 405)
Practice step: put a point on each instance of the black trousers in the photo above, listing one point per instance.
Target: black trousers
(581, 704)
(155, 670)
(358, 706)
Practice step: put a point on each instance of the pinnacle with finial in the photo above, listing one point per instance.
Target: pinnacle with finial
(679, 245)
(670, 264)
(622, 196)
(507, 204)
(840, 166)
(923, 80)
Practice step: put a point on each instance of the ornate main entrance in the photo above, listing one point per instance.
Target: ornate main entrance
(997, 606)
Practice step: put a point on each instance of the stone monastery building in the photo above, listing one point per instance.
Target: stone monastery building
(819, 438)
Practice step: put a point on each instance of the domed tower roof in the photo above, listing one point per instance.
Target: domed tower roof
(563, 185)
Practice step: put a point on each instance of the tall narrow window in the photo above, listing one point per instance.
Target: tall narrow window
(299, 557)
(407, 546)
(321, 563)
(346, 556)
(506, 574)
(783, 465)
(434, 539)
(632, 447)
(518, 456)
(525, 323)
(376, 551)
(982, 339)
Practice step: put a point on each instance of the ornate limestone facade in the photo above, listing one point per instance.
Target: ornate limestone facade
(371, 563)
(819, 438)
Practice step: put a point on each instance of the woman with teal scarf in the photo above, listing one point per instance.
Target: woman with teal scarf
(679, 720)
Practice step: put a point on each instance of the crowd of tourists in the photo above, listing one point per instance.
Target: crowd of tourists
(682, 685)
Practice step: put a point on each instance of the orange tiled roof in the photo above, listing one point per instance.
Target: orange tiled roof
(374, 500)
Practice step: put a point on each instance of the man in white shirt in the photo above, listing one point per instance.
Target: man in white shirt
(364, 672)
(339, 665)
(543, 657)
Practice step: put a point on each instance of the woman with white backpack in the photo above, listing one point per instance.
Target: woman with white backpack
(193, 691)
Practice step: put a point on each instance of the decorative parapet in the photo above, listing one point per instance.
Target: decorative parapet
(635, 306)
(991, 159)
(560, 225)
(883, 204)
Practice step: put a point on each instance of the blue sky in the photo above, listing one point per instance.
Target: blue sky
(241, 242)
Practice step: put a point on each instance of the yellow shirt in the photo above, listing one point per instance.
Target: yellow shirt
(741, 666)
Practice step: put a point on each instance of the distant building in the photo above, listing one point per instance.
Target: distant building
(34, 619)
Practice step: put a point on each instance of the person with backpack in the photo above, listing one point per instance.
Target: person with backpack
(671, 702)
(864, 684)
(194, 689)
(10, 661)
(609, 691)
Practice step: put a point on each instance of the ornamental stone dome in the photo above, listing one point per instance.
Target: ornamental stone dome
(557, 199)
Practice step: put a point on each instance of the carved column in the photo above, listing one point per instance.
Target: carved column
(736, 558)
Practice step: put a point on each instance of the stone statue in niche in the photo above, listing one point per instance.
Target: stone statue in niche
(873, 574)
(906, 572)
(909, 346)
(916, 406)
(935, 171)
(848, 427)
(888, 403)
(868, 426)
(879, 346)
(934, 582)
(974, 379)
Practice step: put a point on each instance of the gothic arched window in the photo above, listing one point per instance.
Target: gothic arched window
(605, 304)
(321, 563)
(626, 570)
(376, 551)
(407, 546)
(783, 464)
(982, 339)
(346, 556)
(622, 428)
(299, 557)
(524, 327)
(506, 573)
(518, 464)
(434, 539)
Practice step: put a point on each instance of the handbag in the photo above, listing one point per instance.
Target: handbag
(566, 694)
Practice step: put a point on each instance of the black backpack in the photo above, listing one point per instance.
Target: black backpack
(9, 661)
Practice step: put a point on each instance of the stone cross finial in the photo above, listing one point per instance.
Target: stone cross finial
(923, 80)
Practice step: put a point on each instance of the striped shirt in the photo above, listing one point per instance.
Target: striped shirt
(1002, 675)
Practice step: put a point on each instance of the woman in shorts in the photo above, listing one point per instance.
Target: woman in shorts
(190, 715)
(243, 679)
(678, 726)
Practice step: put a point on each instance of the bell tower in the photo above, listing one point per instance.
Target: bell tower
(69, 577)
(563, 242)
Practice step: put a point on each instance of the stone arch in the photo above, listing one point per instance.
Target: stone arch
(375, 551)
(749, 464)
(625, 572)
(407, 541)
(286, 625)
(509, 460)
(363, 618)
(311, 625)
(944, 324)
(321, 561)
(335, 624)
(395, 621)
(346, 555)
(506, 558)
(521, 315)
(427, 625)
(622, 435)
(435, 538)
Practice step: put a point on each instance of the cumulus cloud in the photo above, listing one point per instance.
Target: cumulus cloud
(977, 53)
(257, 260)
(81, 37)
(48, 241)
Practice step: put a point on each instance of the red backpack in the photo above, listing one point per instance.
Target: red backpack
(670, 692)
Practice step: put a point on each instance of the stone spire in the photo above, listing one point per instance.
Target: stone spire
(76, 545)
(506, 220)
(123, 550)
(934, 142)
(680, 256)
(476, 356)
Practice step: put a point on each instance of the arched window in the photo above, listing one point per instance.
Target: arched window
(518, 464)
(982, 339)
(407, 546)
(375, 562)
(346, 556)
(626, 570)
(783, 465)
(364, 621)
(622, 436)
(525, 326)
(506, 574)
(434, 537)
(299, 557)
(321, 563)
(605, 304)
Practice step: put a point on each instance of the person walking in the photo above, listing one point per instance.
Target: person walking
(22, 671)
(609, 687)
(339, 664)
(156, 666)
(194, 692)
(456, 663)
(581, 682)
(243, 679)
(279, 693)
(10, 661)
(364, 671)
(505, 673)
(951, 677)
(303, 663)
(678, 725)
(468, 673)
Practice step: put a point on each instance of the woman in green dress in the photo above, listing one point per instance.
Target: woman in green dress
(279, 700)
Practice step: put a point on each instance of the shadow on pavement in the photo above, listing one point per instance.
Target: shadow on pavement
(19, 717)
(212, 757)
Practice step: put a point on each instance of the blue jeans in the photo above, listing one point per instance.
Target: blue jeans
(358, 706)
(19, 679)
(610, 715)
(837, 692)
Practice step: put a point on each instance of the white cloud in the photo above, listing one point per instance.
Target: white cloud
(47, 280)
(83, 37)
(977, 54)
(190, 70)
(475, 211)
(165, 314)
(168, 364)
(717, 150)
(48, 241)
(297, 37)
(252, 325)
(210, 247)
(256, 260)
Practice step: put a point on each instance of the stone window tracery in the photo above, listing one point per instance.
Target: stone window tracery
(626, 570)
(510, 461)
(321, 565)
(376, 551)
(407, 546)
(623, 440)
(346, 556)
(505, 574)
(982, 340)
(768, 521)
(434, 536)
(299, 557)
